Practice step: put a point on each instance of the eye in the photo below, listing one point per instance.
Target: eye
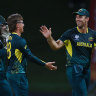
(80, 16)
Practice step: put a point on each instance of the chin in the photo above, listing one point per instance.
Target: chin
(79, 25)
(22, 31)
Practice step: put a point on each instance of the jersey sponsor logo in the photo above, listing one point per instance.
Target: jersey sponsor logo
(90, 39)
(76, 37)
(84, 44)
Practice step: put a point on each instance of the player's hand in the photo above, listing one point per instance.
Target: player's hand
(45, 31)
(50, 66)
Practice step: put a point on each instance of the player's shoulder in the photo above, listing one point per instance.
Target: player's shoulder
(3, 52)
(16, 37)
(21, 40)
(70, 31)
(91, 30)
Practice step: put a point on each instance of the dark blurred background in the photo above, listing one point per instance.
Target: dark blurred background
(56, 14)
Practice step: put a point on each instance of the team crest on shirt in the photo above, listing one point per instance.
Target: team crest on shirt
(90, 39)
(76, 37)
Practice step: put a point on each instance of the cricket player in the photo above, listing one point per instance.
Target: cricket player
(78, 42)
(5, 89)
(18, 53)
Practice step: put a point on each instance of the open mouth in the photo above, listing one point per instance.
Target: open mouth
(78, 22)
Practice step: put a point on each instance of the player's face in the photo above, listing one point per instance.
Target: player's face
(21, 26)
(81, 21)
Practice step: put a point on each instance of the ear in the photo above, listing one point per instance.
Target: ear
(17, 26)
(87, 19)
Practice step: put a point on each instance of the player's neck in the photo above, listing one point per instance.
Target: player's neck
(18, 33)
(83, 29)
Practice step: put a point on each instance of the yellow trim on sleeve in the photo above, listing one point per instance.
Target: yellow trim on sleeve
(43, 61)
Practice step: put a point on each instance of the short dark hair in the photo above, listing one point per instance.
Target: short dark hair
(12, 21)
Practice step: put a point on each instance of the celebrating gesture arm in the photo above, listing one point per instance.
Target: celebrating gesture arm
(50, 66)
(55, 45)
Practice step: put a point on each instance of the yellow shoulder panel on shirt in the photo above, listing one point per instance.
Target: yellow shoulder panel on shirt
(68, 47)
(18, 55)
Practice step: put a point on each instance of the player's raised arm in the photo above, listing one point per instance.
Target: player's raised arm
(55, 45)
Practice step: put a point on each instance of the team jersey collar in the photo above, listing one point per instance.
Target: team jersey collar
(14, 33)
(79, 30)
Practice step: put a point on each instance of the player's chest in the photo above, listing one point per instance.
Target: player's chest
(84, 40)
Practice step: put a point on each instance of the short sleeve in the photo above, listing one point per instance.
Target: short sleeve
(66, 35)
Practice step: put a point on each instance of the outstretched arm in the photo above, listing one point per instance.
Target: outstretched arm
(26, 51)
(50, 66)
(55, 45)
